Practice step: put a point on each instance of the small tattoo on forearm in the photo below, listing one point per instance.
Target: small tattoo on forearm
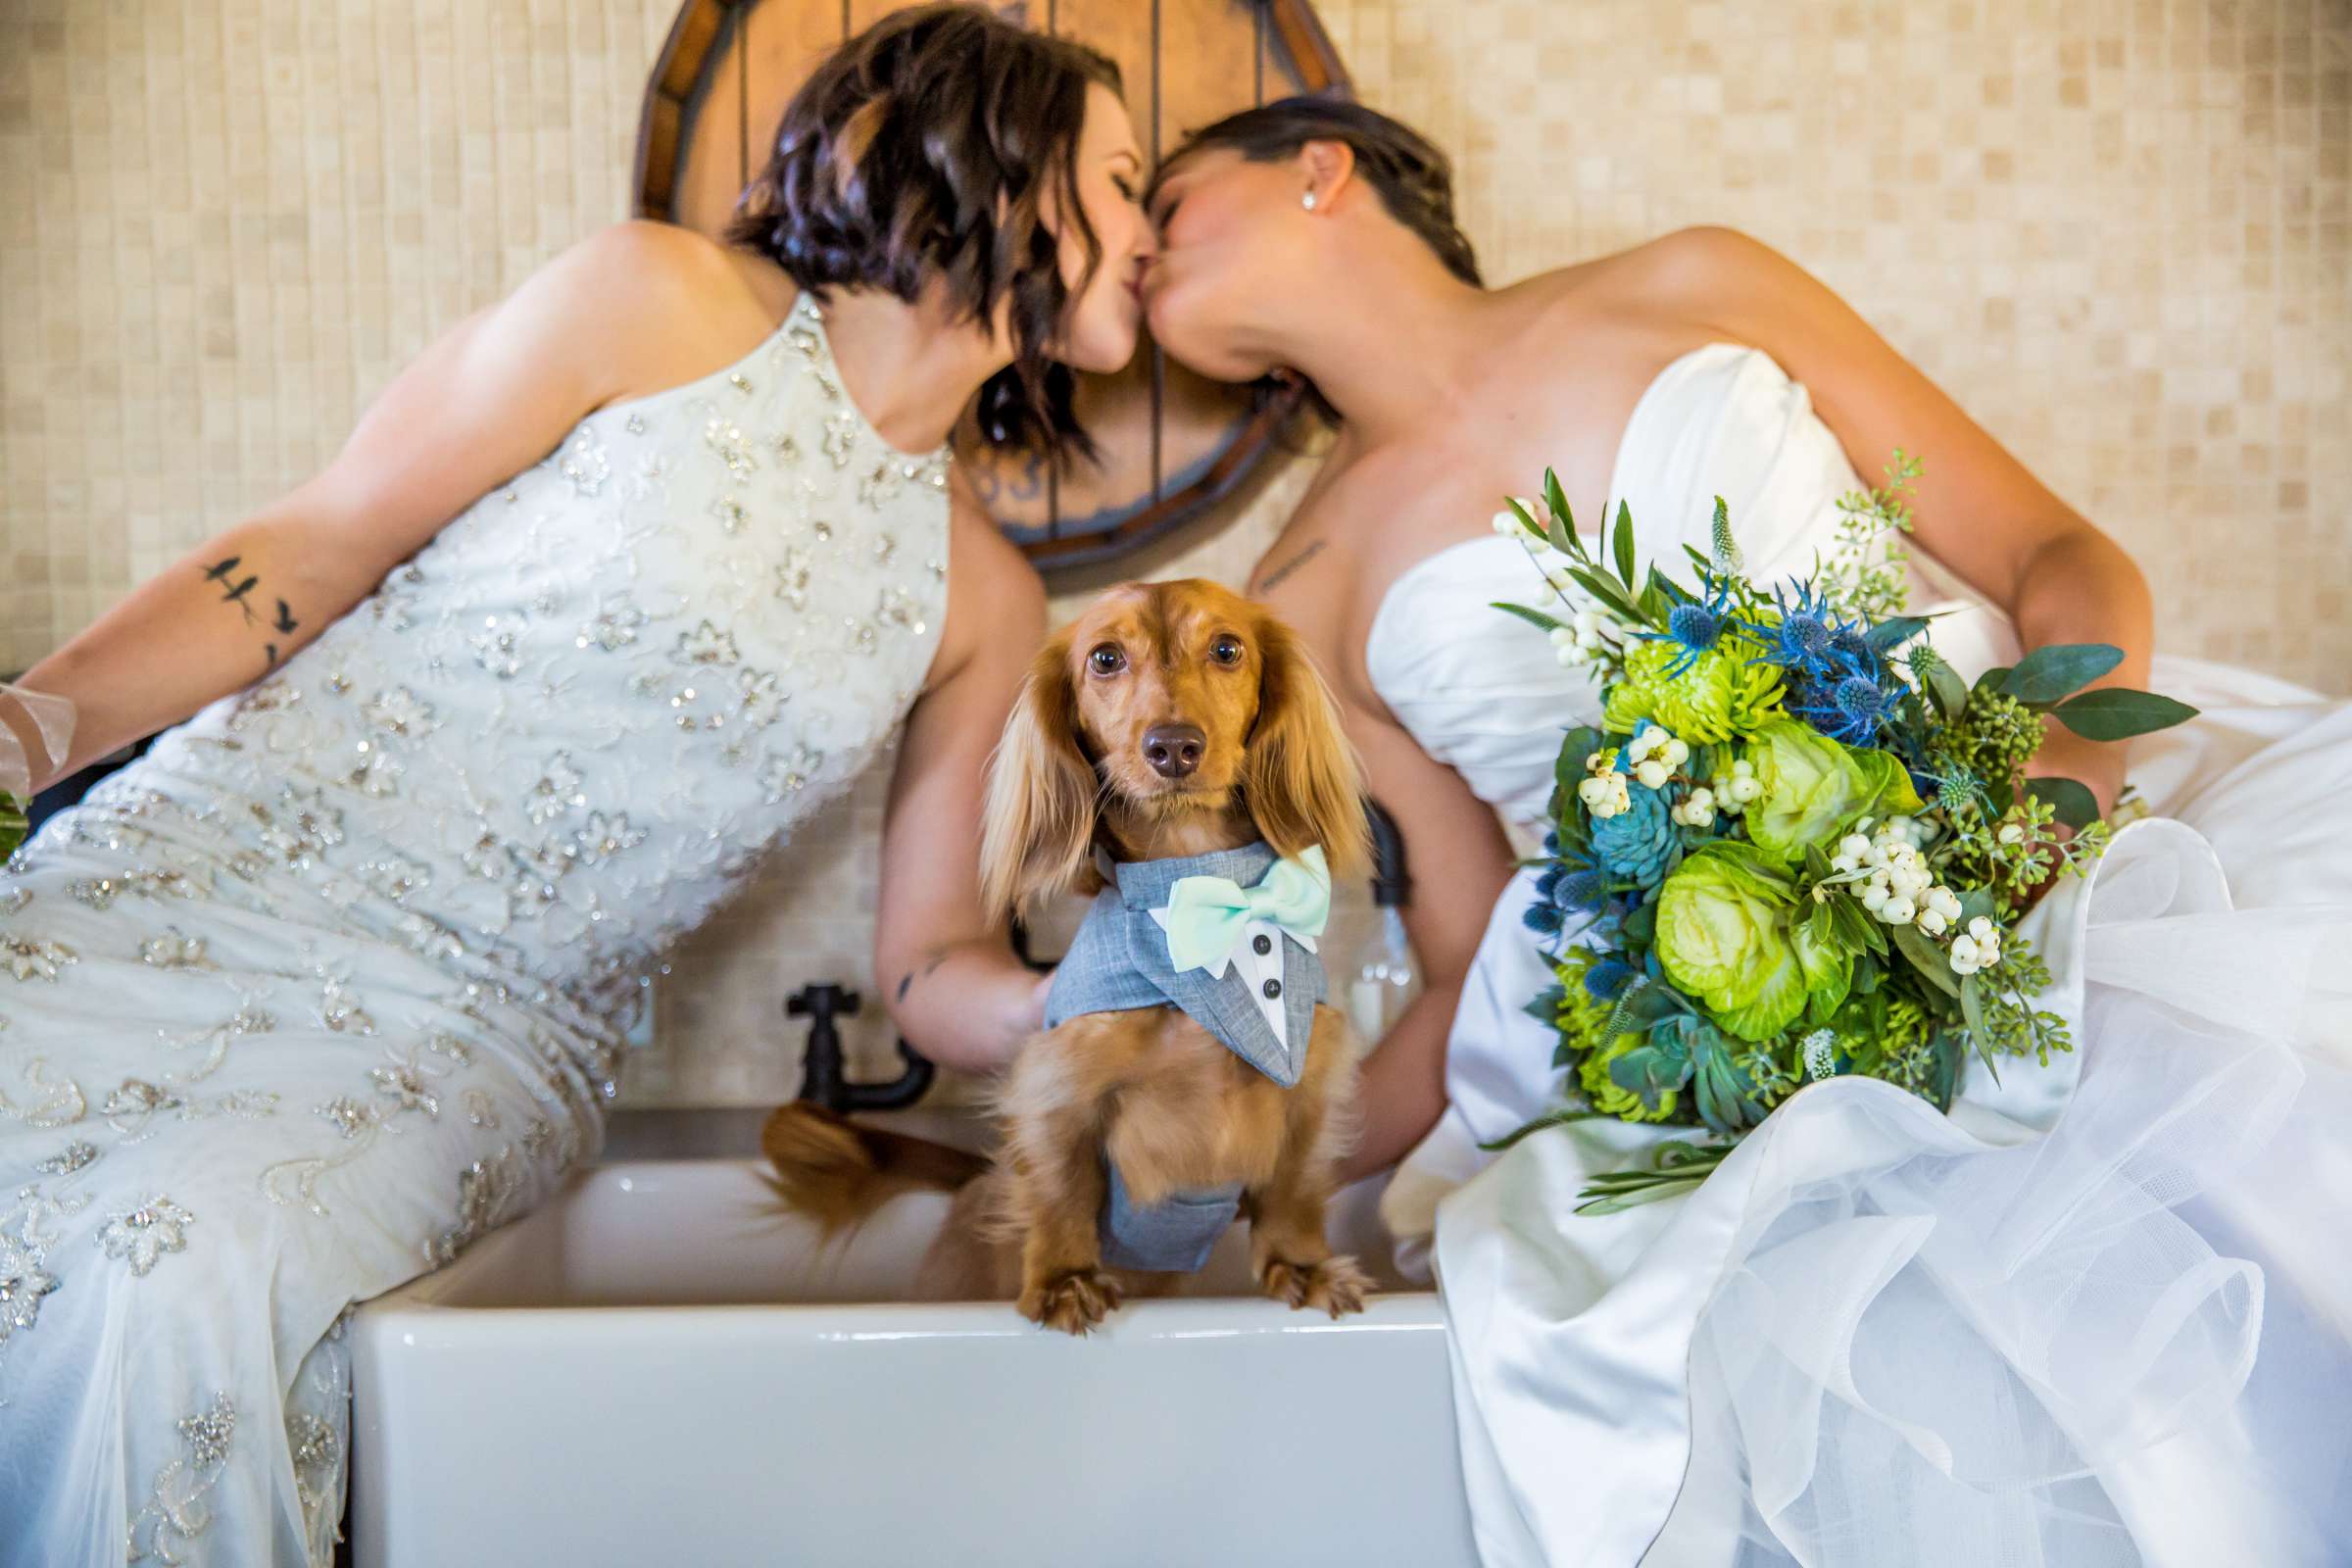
(936, 957)
(233, 590)
(1273, 580)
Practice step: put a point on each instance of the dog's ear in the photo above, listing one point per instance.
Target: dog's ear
(1039, 825)
(1299, 777)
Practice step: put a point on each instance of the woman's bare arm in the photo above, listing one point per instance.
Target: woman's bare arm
(1978, 509)
(952, 986)
(1460, 861)
(492, 396)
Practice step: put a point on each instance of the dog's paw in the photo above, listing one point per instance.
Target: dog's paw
(1336, 1284)
(1073, 1301)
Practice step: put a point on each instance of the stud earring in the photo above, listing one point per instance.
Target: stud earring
(1307, 201)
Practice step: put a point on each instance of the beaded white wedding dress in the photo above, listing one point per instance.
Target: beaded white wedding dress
(2098, 1315)
(332, 980)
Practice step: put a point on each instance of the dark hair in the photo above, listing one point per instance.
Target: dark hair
(1415, 180)
(922, 147)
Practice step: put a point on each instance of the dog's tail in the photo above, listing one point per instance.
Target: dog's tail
(838, 1173)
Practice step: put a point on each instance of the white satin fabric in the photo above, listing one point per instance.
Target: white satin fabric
(2097, 1316)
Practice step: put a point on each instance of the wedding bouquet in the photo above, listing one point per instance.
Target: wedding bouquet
(1798, 843)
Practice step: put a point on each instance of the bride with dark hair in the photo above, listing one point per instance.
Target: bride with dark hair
(2095, 1315)
(607, 591)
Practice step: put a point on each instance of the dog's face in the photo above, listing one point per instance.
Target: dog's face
(1166, 710)
(1166, 678)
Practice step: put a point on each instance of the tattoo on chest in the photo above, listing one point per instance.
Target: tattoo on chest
(1273, 580)
(237, 589)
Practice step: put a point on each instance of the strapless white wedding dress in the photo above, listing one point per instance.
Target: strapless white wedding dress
(2100, 1314)
(332, 980)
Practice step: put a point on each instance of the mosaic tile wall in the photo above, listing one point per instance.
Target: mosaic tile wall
(2115, 231)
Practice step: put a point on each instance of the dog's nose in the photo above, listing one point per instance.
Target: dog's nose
(1173, 749)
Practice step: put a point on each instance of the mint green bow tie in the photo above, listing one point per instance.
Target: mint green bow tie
(1207, 915)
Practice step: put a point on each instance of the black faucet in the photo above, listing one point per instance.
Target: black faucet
(821, 1077)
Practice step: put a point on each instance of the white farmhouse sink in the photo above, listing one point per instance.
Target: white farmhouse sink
(656, 1367)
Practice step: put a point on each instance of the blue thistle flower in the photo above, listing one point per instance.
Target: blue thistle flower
(1543, 917)
(1851, 644)
(1800, 642)
(1582, 889)
(1696, 625)
(1605, 979)
(1851, 709)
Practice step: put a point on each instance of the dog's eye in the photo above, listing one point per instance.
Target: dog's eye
(1226, 650)
(1106, 659)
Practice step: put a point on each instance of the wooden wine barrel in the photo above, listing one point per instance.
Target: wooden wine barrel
(1170, 442)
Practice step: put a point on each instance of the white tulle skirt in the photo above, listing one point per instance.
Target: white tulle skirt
(2099, 1315)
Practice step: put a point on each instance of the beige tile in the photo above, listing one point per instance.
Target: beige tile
(2115, 231)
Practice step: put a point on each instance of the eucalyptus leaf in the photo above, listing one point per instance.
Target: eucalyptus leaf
(2049, 673)
(1974, 903)
(1624, 544)
(1639, 928)
(1663, 1187)
(1932, 964)
(1527, 519)
(1655, 1003)
(1534, 618)
(1991, 679)
(1557, 500)
(1972, 1006)
(1609, 594)
(1563, 539)
(1550, 1118)
(2114, 713)
(2072, 802)
(1972, 1010)
(1546, 1009)
(1895, 631)
(1949, 692)
(1856, 930)
(1868, 973)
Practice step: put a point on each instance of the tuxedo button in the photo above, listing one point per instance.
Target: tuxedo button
(1272, 988)
(1262, 943)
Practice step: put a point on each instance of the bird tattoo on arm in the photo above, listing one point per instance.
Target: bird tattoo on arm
(234, 591)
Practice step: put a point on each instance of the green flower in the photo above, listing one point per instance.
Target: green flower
(1581, 1015)
(1815, 787)
(1607, 1094)
(1720, 695)
(1725, 934)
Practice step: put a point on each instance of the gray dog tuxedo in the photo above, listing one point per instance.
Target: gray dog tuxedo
(1243, 925)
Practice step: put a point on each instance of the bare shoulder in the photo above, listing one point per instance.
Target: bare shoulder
(640, 255)
(659, 303)
(1709, 262)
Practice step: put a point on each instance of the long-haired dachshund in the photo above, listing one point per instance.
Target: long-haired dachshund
(1170, 721)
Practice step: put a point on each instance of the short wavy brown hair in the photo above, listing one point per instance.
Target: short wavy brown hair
(923, 147)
